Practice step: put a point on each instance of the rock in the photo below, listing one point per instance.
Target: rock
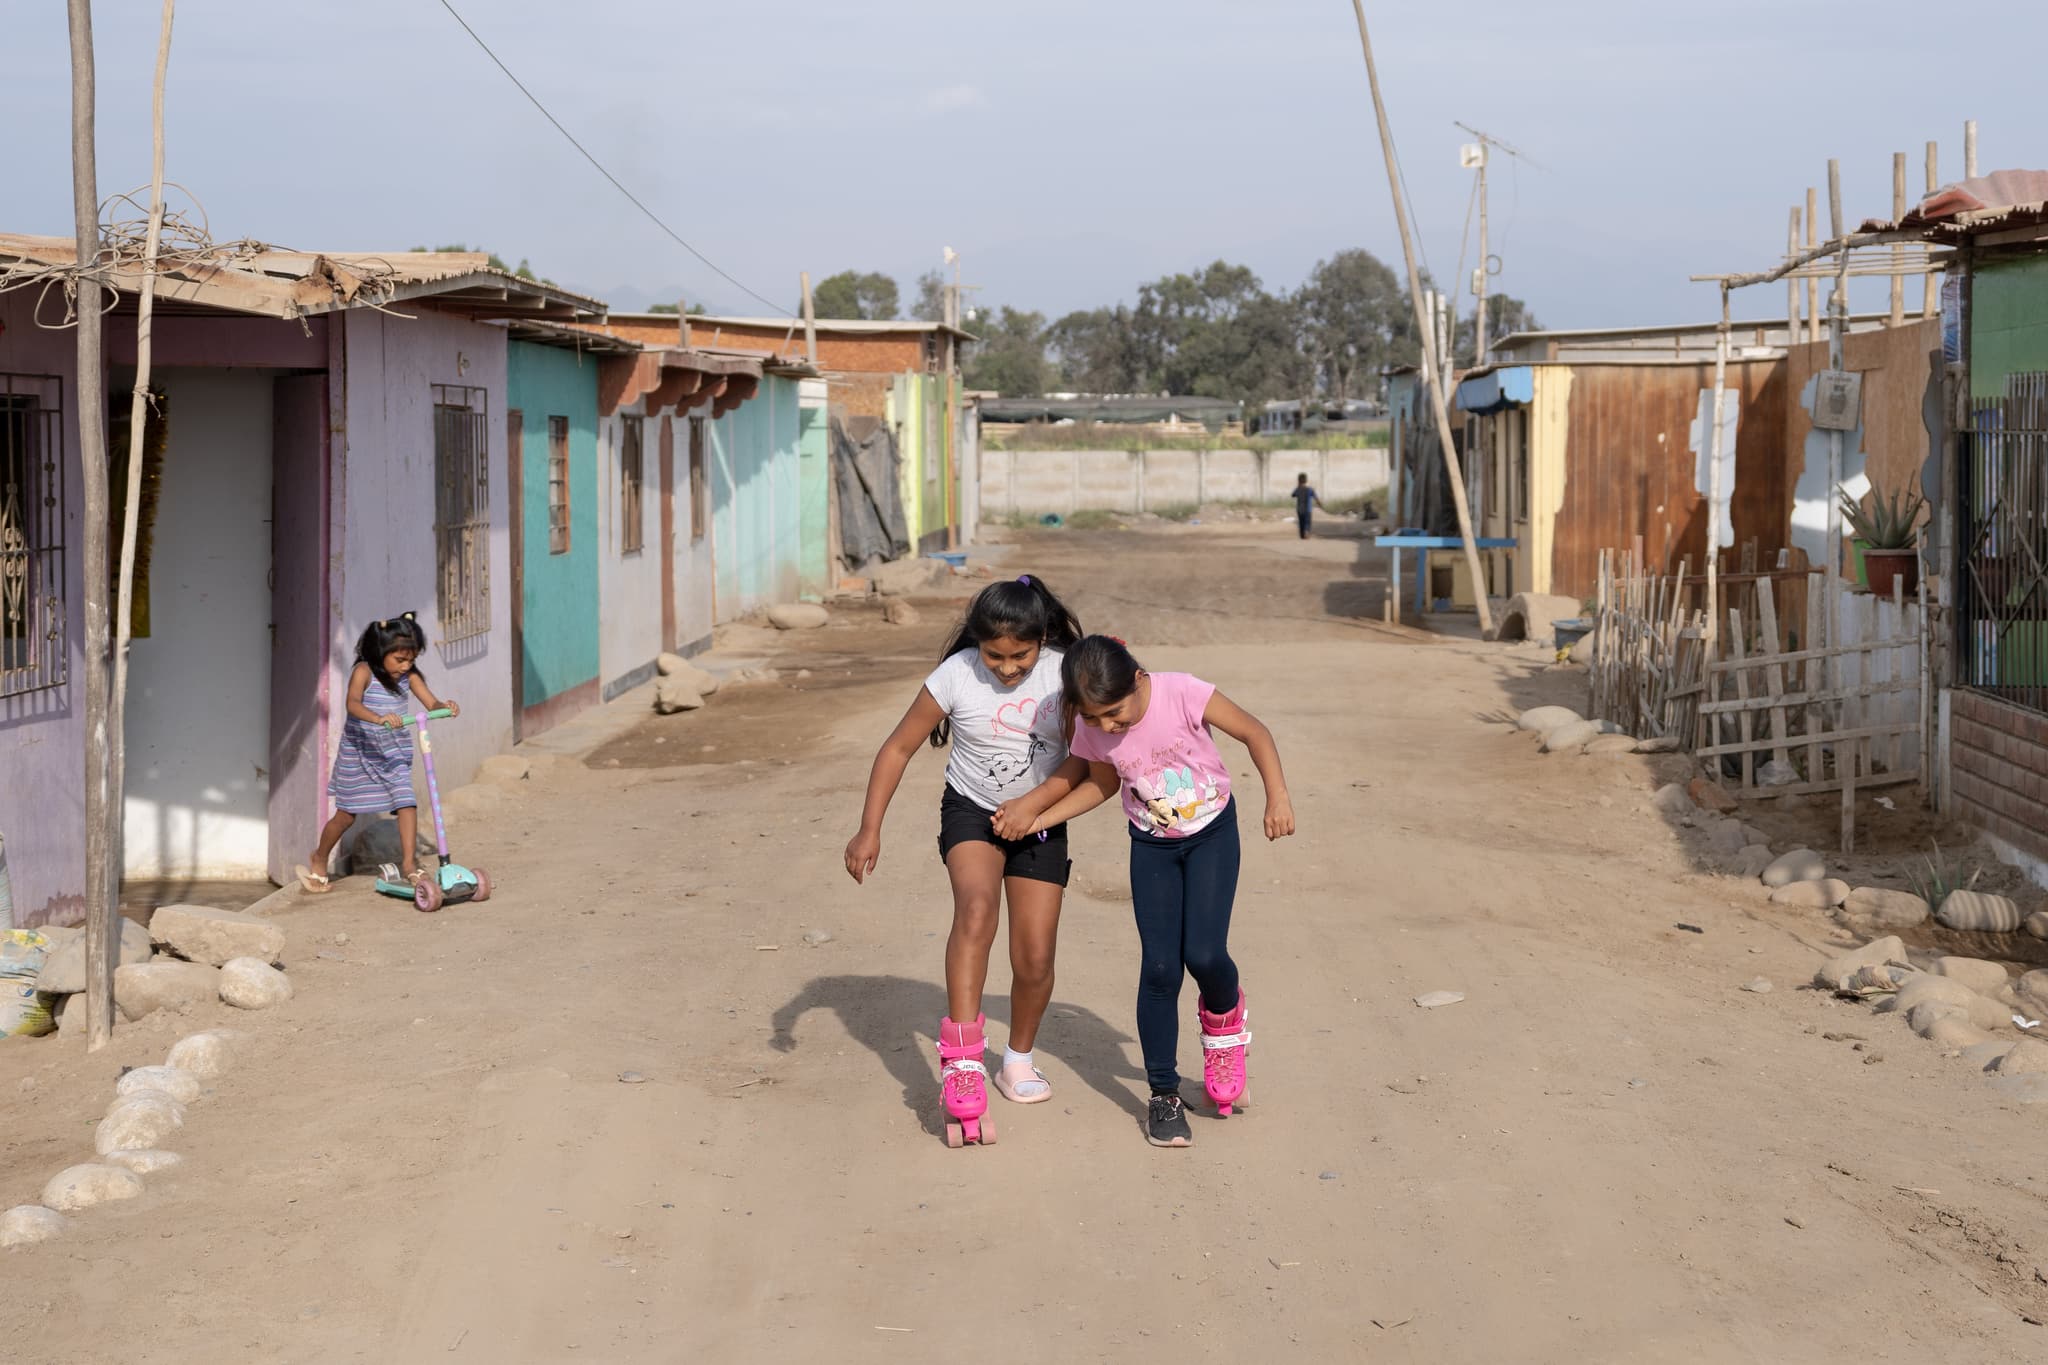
(1662, 744)
(1924, 997)
(138, 1121)
(674, 694)
(1582, 648)
(1543, 719)
(1824, 894)
(1671, 799)
(1836, 973)
(668, 665)
(81, 1187)
(1986, 1055)
(1800, 865)
(64, 967)
(1437, 999)
(797, 616)
(1570, 737)
(1954, 1031)
(26, 1224)
(146, 987)
(898, 612)
(199, 933)
(1751, 861)
(376, 843)
(249, 983)
(1534, 616)
(208, 1055)
(1878, 976)
(2026, 1057)
(144, 1160)
(814, 937)
(2034, 986)
(1884, 908)
(911, 574)
(169, 1081)
(1757, 986)
(502, 768)
(1981, 976)
(2037, 924)
(1707, 795)
(1726, 837)
(1977, 910)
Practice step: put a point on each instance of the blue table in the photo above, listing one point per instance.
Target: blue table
(1422, 545)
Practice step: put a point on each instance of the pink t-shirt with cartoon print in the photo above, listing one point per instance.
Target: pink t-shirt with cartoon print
(1175, 782)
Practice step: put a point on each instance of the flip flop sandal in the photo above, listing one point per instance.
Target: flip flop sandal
(311, 882)
(1008, 1085)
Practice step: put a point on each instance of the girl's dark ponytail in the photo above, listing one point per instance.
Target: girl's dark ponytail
(1024, 609)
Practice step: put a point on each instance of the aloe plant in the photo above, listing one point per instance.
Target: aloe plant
(1889, 522)
(1941, 879)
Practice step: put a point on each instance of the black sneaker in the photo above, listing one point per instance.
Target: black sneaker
(1166, 1122)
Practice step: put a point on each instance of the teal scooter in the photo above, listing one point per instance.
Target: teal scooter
(452, 883)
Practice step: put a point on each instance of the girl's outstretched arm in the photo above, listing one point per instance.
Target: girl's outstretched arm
(865, 848)
(1248, 730)
(1097, 787)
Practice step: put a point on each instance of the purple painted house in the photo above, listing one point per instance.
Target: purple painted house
(327, 448)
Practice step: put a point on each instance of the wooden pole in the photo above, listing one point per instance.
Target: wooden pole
(810, 319)
(1970, 149)
(1485, 154)
(1838, 320)
(1425, 330)
(1930, 292)
(1898, 249)
(101, 904)
(1714, 475)
(138, 408)
(1792, 285)
(1812, 285)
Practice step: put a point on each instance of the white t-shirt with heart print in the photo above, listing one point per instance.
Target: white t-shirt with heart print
(1006, 740)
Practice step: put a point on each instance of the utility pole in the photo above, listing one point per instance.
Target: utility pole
(1432, 372)
(1480, 157)
(810, 319)
(102, 902)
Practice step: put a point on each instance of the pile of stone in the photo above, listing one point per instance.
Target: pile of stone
(189, 954)
(681, 686)
(1976, 1010)
(1564, 731)
(150, 1105)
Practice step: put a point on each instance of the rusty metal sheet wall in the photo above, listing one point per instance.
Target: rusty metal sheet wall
(1629, 467)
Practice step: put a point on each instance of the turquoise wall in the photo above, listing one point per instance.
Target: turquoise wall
(757, 509)
(2008, 323)
(560, 646)
(814, 486)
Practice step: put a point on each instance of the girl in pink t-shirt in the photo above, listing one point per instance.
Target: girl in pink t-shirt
(1150, 735)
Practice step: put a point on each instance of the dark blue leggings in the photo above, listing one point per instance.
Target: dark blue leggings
(1181, 892)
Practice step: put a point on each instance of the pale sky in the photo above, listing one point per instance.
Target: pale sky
(1069, 150)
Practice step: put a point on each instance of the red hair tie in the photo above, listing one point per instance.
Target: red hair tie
(1119, 639)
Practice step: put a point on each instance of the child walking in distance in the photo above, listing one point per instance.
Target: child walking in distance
(1151, 735)
(1305, 499)
(373, 764)
(995, 697)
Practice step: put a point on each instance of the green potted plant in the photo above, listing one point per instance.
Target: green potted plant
(1886, 534)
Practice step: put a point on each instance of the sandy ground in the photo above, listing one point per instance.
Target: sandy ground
(1607, 1152)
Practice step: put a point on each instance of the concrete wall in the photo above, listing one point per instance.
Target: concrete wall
(1034, 482)
(199, 700)
(1998, 770)
(629, 581)
(815, 575)
(757, 511)
(384, 514)
(559, 631)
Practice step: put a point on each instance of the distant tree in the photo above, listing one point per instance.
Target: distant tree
(663, 308)
(931, 297)
(1355, 320)
(1010, 357)
(696, 310)
(1096, 351)
(524, 270)
(851, 295)
(1505, 315)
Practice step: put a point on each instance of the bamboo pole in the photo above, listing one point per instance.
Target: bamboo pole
(1812, 285)
(1898, 315)
(1792, 285)
(100, 901)
(1431, 372)
(1714, 472)
(1928, 290)
(138, 405)
(1838, 321)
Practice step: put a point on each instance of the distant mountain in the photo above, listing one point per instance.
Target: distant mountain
(631, 298)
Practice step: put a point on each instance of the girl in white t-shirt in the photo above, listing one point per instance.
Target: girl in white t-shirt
(995, 697)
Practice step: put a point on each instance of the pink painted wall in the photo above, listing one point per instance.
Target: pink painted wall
(382, 529)
(42, 734)
(262, 343)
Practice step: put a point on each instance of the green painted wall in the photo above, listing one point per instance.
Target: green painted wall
(757, 512)
(918, 408)
(2008, 323)
(814, 492)
(560, 639)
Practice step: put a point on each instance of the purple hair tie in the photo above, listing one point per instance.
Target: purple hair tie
(1025, 579)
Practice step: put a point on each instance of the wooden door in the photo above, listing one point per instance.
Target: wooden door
(669, 629)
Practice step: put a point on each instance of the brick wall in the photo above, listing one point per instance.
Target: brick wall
(1998, 756)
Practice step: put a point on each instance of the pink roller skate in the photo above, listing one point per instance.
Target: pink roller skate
(964, 1082)
(1225, 1040)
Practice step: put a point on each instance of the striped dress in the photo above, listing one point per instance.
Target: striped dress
(373, 767)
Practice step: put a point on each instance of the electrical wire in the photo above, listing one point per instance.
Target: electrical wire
(617, 184)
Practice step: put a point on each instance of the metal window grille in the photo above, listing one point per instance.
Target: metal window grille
(700, 491)
(34, 649)
(633, 434)
(558, 485)
(2001, 595)
(462, 510)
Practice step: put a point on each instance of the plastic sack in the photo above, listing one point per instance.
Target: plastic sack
(23, 1009)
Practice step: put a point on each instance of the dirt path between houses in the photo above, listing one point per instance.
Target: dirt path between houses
(1607, 1152)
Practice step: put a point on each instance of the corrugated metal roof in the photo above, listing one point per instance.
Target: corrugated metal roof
(833, 326)
(2002, 199)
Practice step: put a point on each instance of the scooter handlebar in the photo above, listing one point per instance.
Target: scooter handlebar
(438, 713)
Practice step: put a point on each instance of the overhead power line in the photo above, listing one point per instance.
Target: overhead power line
(617, 184)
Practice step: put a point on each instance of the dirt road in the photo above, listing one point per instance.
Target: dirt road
(1607, 1152)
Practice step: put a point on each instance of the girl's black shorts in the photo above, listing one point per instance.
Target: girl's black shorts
(1038, 858)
